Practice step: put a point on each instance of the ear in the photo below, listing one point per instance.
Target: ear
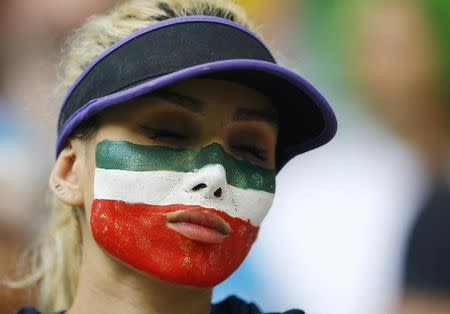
(64, 179)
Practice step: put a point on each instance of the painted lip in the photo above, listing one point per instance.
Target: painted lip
(199, 225)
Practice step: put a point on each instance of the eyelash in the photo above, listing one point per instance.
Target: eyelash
(261, 154)
(153, 133)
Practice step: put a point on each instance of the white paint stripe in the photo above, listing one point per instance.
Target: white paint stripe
(170, 187)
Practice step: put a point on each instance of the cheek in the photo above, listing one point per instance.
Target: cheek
(87, 185)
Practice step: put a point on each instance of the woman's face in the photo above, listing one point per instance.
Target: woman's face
(176, 183)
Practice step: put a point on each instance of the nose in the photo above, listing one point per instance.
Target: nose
(209, 181)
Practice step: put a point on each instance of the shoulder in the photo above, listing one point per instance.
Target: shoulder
(427, 256)
(31, 310)
(234, 305)
(231, 305)
(27, 310)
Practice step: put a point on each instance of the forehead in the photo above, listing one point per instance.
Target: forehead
(222, 91)
(218, 98)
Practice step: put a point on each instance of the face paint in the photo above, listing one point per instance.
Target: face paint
(188, 216)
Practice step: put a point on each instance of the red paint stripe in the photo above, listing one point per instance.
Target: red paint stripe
(137, 234)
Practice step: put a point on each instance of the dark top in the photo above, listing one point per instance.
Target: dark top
(231, 305)
(428, 254)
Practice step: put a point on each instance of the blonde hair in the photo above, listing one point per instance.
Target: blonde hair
(57, 254)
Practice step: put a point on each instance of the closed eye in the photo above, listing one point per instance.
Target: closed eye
(154, 134)
(259, 153)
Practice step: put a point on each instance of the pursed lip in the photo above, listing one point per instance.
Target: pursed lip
(199, 225)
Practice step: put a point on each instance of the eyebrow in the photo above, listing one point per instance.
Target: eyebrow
(198, 105)
(246, 114)
(187, 102)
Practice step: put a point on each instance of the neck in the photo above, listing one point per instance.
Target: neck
(108, 286)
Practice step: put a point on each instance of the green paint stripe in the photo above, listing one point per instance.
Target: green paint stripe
(128, 156)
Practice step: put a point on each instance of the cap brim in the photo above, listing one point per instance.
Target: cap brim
(306, 120)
